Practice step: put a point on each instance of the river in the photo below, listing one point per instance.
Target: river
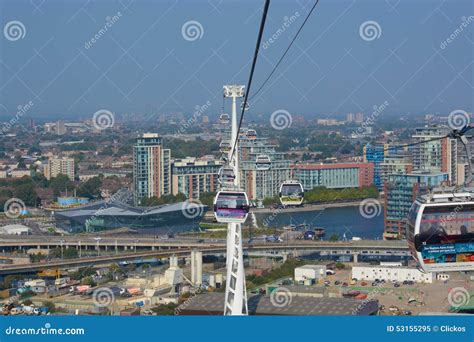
(338, 221)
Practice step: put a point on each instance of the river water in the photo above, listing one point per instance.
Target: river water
(340, 221)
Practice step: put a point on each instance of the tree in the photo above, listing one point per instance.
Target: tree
(60, 183)
(207, 198)
(91, 188)
(334, 237)
(27, 193)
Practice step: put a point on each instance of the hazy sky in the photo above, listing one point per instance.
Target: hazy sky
(147, 62)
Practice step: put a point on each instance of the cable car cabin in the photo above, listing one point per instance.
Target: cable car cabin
(224, 147)
(441, 232)
(226, 175)
(224, 119)
(291, 193)
(251, 134)
(231, 207)
(263, 162)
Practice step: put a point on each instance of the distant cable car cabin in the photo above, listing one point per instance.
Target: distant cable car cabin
(291, 193)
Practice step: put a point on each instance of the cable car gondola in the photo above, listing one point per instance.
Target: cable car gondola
(224, 119)
(224, 147)
(291, 193)
(441, 232)
(263, 162)
(226, 176)
(231, 206)
(251, 134)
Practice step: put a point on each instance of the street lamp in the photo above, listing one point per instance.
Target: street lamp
(97, 240)
(62, 252)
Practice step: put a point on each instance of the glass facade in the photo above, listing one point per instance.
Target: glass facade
(401, 191)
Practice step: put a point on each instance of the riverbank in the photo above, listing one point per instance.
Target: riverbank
(308, 207)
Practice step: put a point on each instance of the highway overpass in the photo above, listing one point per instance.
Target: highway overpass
(117, 250)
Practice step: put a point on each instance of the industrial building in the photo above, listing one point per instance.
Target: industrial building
(312, 273)
(15, 229)
(213, 304)
(334, 176)
(151, 168)
(391, 274)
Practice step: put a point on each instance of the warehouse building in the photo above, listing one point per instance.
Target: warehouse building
(312, 273)
(213, 304)
(390, 273)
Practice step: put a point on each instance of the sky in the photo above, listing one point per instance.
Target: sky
(148, 62)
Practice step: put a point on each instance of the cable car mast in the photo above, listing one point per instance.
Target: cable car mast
(235, 292)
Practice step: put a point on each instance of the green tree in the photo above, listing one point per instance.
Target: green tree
(27, 193)
(334, 237)
(61, 183)
(91, 188)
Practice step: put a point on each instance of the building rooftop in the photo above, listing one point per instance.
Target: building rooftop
(213, 304)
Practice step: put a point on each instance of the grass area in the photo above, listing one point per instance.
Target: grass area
(285, 270)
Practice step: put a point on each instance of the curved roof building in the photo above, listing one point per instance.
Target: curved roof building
(104, 215)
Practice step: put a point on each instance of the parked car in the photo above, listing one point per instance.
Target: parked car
(363, 283)
(337, 282)
(396, 285)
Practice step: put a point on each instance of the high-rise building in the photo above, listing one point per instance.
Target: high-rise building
(401, 191)
(57, 166)
(60, 128)
(437, 155)
(258, 183)
(376, 154)
(151, 168)
(359, 117)
(350, 117)
(193, 176)
(395, 164)
(334, 176)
